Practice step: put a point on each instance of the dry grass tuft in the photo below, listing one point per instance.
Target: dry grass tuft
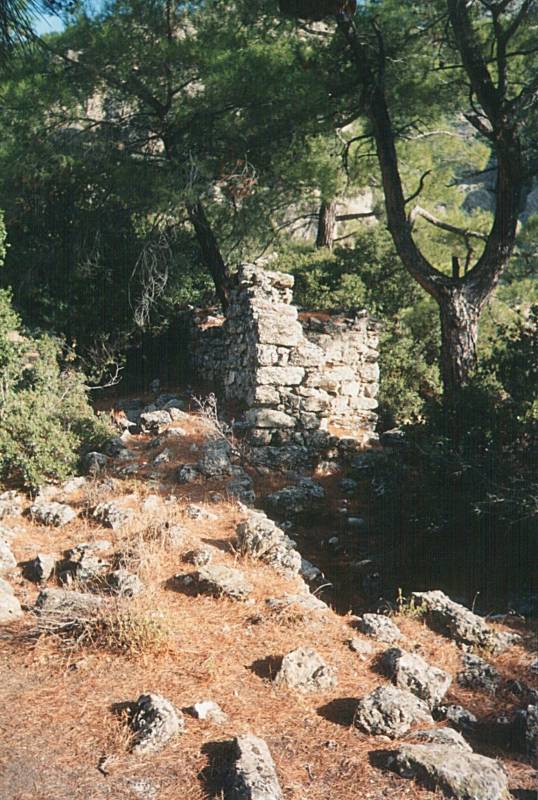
(120, 627)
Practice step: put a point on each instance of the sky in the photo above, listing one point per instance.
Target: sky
(48, 24)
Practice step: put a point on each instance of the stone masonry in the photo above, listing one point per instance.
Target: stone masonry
(295, 375)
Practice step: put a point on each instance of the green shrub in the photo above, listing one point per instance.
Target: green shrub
(45, 417)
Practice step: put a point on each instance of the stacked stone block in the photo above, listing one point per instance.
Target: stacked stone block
(295, 375)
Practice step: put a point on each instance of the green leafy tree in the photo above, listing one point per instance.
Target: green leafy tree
(477, 60)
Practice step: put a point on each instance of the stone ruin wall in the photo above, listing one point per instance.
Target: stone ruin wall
(296, 376)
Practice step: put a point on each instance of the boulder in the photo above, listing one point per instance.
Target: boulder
(112, 515)
(388, 711)
(308, 603)
(163, 457)
(296, 499)
(84, 567)
(42, 568)
(199, 557)
(409, 671)
(309, 571)
(252, 775)
(379, 627)
(55, 514)
(459, 717)
(187, 473)
(478, 674)
(241, 487)
(443, 736)
(155, 421)
(10, 504)
(7, 560)
(304, 669)
(221, 581)
(155, 721)
(259, 537)
(360, 646)
(124, 583)
(210, 711)
(197, 512)
(461, 624)
(115, 448)
(64, 604)
(460, 775)
(10, 608)
(73, 485)
(530, 717)
(215, 460)
(94, 462)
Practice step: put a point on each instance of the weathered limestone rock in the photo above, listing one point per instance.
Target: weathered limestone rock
(303, 669)
(42, 567)
(67, 605)
(124, 583)
(56, 514)
(155, 721)
(478, 674)
(215, 459)
(296, 499)
(268, 418)
(459, 717)
(253, 774)
(461, 624)
(155, 421)
(10, 608)
(94, 462)
(360, 646)
(302, 602)
(409, 671)
(221, 581)
(198, 512)
(85, 566)
(443, 736)
(309, 571)
(187, 473)
(199, 557)
(241, 487)
(7, 560)
(460, 775)
(388, 711)
(531, 733)
(259, 537)
(10, 504)
(380, 627)
(280, 376)
(112, 515)
(210, 711)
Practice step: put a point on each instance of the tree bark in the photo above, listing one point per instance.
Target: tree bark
(459, 333)
(326, 224)
(211, 254)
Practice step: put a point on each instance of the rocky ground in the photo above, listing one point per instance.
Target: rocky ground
(162, 639)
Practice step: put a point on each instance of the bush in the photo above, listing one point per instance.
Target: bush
(45, 417)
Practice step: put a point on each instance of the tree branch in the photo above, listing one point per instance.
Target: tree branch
(418, 211)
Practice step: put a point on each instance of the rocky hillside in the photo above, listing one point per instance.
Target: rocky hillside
(164, 638)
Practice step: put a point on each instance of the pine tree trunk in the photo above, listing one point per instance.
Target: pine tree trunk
(326, 224)
(459, 333)
(211, 254)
